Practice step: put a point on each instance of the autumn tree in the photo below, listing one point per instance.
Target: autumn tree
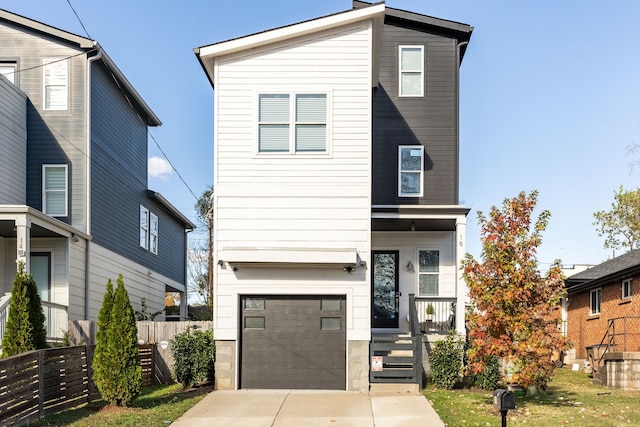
(514, 316)
(621, 225)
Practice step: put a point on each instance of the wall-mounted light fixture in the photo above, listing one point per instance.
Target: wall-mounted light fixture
(409, 266)
(220, 262)
(74, 237)
(349, 268)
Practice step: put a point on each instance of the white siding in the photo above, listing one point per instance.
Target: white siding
(319, 201)
(139, 281)
(13, 144)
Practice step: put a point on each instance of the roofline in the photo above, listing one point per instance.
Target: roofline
(581, 285)
(89, 46)
(172, 209)
(207, 53)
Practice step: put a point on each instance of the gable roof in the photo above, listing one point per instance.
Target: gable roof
(615, 269)
(92, 49)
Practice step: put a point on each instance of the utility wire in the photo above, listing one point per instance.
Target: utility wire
(171, 164)
(79, 20)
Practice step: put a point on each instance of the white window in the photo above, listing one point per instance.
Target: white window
(410, 170)
(55, 190)
(153, 233)
(411, 71)
(595, 298)
(56, 79)
(626, 288)
(429, 272)
(8, 70)
(292, 123)
(144, 227)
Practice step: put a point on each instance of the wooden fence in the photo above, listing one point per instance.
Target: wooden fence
(39, 383)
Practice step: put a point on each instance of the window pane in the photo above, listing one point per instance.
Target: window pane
(410, 183)
(311, 137)
(55, 203)
(411, 59)
(55, 72)
(429, 261)
(411, 84)
(411, 159)
(254, 322)
(311, 108)
(330, 304)
(273, 138)
(429, 284)
(55, 98)
(331, 324)
(154, 223)
(254, 304)
(9, 71)
(143, 238)
(153, 244)
(274, 108)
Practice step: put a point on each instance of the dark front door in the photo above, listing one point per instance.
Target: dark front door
(384, 292)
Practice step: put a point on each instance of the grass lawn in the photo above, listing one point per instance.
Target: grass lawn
(156, 406)
(570, 399)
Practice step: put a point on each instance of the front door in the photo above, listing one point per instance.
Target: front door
(384, 292)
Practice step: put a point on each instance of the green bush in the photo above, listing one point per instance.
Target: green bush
(117, 371)
(446, 361)
(193, 355)
(489, 378)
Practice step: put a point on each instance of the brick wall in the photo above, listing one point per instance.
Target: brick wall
(584, 330)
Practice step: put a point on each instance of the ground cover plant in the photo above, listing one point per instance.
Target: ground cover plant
(569, 399)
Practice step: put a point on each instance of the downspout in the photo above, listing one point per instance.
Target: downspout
(90, 60)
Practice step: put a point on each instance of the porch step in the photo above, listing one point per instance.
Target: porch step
(394, 389)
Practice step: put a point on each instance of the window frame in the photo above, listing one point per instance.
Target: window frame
(293, 124)
(402, 72)
(438, 273)
(592, 302)
(46, 65)
(413, 171)
(153, 233)
(144, 228)
(45, 167)
(627, 285)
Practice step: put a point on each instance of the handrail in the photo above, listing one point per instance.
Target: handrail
(609, 339)
(5, 300)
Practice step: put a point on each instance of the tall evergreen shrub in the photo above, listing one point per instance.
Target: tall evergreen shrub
(118, 374)
(25, 323)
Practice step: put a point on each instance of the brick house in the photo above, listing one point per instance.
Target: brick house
(604, 304)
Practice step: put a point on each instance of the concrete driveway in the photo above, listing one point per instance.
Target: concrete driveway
(310, 408)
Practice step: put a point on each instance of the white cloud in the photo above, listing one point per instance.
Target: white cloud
(159, 168)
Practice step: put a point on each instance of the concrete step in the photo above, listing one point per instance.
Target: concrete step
(394, 389)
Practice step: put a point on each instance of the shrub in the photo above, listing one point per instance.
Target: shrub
(25, 322)
(489, 378)
(446, 361)
(193, 355)
(117, 370)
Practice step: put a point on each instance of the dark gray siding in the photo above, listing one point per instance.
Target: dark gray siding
(13, 144)
(119, 183)
(430, 121)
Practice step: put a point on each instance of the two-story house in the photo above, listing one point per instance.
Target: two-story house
(74, 202)
(336, 177)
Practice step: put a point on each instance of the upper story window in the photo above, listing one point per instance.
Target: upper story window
(626, 288)
(410, 170)
(55, 195)
(9, 69)
(56, 84)
(595, 299)
(292, 123)
(148, 230)
(429, 272)
(411, 71)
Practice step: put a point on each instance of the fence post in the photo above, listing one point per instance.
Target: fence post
(40, 384)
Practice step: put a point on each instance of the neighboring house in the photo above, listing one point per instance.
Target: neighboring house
(604, 297)
(336, 176)
(74, 202)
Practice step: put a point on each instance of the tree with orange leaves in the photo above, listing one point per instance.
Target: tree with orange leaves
(513, 316)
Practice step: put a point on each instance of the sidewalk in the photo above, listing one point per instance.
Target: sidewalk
(309, 408)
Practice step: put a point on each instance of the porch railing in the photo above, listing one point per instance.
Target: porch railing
(436, 315)
(56, 318)
(623, 334)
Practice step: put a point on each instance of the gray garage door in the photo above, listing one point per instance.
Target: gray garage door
(293, 342)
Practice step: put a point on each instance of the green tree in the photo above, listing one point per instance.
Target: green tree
(514, 304)
(118, 374)
(621, 225)
(25, 329)
(204, 282)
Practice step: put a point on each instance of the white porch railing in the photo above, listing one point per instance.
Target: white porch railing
(56, 318)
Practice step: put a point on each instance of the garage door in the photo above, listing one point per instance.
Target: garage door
(293, 342)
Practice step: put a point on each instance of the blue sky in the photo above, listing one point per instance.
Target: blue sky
(550, 95)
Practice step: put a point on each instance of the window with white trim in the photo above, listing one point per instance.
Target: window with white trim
(56, 84)
(8, 69)
(55, 195)
(411, 73)
(595, 299)
(410, 170)
(148, 230)
(292, 123)
(626, 288)
(428, 272)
